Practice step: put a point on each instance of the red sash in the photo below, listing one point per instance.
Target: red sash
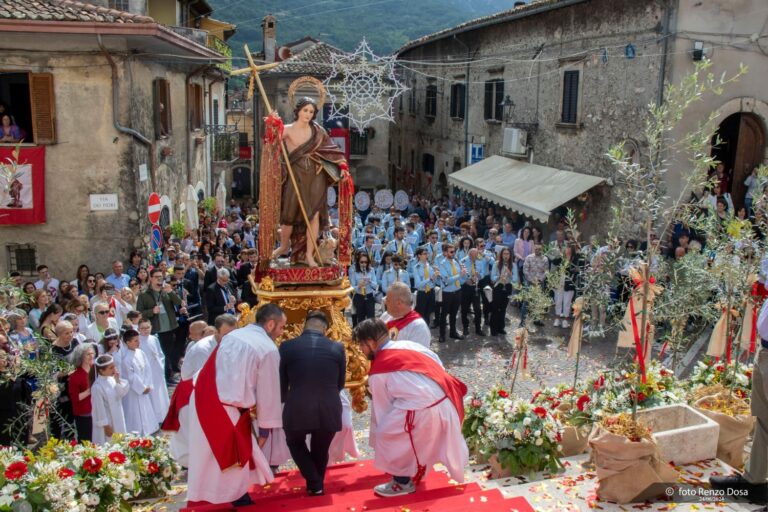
(231, 444)
(387, 361)
(179, 400)
(400, 323)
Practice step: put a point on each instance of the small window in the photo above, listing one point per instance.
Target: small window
(22, 258)
(458, 100)
(428, 163)
(570, 97)
(215, 110)
(358, 142)
(120, 5)
(196, 107)
(162, 108)
(430, 107)
(412, 108)
(494, 97)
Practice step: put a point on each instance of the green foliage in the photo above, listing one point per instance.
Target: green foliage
(386, 25)
(209, 205)
(178, 229)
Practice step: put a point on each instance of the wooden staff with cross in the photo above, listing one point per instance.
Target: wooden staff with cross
(254, 71)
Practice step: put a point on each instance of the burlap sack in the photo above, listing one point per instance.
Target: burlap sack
(734, 431)
(626, 469)
(575, 440)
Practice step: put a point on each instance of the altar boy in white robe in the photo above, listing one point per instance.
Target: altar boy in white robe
(150, 345)
(107, 393)
(417, 410)
(177, 419)
(139, 415)
(240, 379)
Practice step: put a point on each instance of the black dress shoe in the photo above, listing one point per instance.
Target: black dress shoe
(442, 339)
(755, 493)
(243, 501)
(503, 332)
(456, 336)
(480, 333)
(318, 492)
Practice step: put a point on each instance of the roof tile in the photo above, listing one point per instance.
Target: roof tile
(66, 10)
(315, 60)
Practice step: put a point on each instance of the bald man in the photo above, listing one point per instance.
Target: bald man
(403, 323)
(196, 331)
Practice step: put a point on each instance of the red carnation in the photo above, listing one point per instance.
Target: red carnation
(540, 412)
(146, 443)
(16, 470)
(92, 465)
(555, 404)
(720, 368)
(558, 436)
(153, 468)
(581, 402)
(599, 383)
(652, 280)
(116, 457)
(134, 444)
(665, 373)
(65, 473)
(535, 396)
(565, 392)
(748, 374)
(503, 394)
(73, 443)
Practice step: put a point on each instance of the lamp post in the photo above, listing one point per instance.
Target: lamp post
(508, 107)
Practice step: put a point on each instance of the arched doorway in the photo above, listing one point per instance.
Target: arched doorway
(442, 185)
(741, 148)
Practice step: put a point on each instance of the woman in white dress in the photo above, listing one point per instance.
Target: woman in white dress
(139, 415)
(107, 393)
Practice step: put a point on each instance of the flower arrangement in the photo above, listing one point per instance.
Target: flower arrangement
(611, 394)
(66, 476)
(568, 404)
(524, 437)
(710, 372)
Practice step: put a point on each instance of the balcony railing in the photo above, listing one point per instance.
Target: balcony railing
(225, 146)
(197, 35)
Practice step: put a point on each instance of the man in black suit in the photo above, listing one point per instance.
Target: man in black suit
(219, 262)
(312, 373)
(220, 297)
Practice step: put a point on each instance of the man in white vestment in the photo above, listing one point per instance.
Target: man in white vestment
(177, 420)
(241, 379)
(402, 321)
(417, 410)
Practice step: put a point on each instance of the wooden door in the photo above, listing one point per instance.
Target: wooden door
(750, 150)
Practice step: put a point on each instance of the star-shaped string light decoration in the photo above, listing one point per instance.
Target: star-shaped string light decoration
(363, 87)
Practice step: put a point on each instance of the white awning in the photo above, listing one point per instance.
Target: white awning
(530, 189)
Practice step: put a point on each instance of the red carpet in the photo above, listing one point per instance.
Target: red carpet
(349, 487)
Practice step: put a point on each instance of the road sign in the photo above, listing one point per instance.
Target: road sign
(156, 239)
(154, 207)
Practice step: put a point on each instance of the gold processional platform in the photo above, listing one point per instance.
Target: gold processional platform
(331, 298)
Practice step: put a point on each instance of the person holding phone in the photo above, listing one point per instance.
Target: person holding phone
(157, 304)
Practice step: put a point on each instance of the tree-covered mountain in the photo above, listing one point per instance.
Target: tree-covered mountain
(385, 24)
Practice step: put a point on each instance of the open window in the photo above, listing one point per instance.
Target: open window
(162, 108)
(27, 111)
(494, 97)
(195, 105)
(430, 108)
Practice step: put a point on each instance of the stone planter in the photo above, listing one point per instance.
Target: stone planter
(682, 434)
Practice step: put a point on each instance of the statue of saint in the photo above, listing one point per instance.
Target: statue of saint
(316, 163)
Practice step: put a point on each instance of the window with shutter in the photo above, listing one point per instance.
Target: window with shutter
(195, 106)
(458, 101)
(570, 97)
(430, 108)
(494, 96)
(43, 108)
(162, 108)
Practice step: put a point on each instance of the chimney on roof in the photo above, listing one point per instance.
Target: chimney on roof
(269, 31)
(518, 4)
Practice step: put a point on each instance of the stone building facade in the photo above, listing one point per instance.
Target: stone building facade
(130, 99)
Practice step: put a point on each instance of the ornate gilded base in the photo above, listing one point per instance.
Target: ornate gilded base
(297, 301)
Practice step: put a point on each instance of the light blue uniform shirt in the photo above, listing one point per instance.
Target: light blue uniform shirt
(451, 277)
(360, 280)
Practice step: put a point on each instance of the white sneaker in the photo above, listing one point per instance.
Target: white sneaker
(565, 323)
(557, 322)
(392, 489)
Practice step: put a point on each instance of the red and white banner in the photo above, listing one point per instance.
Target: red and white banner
(22, 186)
(340, 136)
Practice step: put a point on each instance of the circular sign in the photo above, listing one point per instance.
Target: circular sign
(383, 198)
(401, 200)
(331, 196)
(156, 239)
(362, 201)
(154, 208)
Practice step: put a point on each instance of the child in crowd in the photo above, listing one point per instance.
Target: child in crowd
(107, 395)
(137, 405)
(150, 345)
